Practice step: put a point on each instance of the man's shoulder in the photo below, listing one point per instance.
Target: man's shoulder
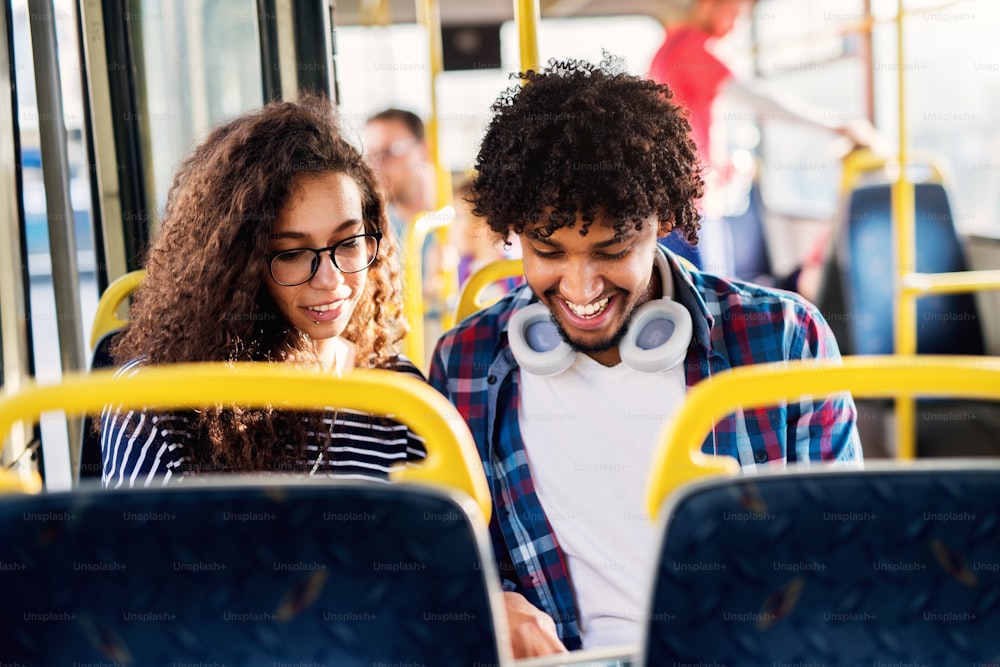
(754, 323)
(724, 295)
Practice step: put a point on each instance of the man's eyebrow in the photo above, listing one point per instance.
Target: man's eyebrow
(615, 240)
(544, 240)
(301, 235)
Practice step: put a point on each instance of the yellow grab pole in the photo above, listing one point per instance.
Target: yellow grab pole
(413, 288)
(903, 223)
(527, 14)
(429, 16)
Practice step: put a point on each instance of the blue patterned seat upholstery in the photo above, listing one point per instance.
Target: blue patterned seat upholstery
(946, 323)
(892, 566)
(346, 574)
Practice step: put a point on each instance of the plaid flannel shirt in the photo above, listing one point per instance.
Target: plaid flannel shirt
(735, 324)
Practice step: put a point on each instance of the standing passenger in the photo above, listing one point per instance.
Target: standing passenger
(274, 247)
(395, 146)
(687, 63)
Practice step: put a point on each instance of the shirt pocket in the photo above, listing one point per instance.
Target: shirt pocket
(766, 434)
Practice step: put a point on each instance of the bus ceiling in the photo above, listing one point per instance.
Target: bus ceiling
(485, 12)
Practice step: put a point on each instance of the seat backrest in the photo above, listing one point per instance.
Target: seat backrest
(899, 565)
(829, 565)
(347, 573)
(946, 324)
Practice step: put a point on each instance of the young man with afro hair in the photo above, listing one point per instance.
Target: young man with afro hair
(588, 166)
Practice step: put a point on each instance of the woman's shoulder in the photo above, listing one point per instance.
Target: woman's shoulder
(130, 368)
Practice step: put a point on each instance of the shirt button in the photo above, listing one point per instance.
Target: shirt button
(760, 457)
(492, 379)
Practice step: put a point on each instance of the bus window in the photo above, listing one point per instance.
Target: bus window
(41, 297)
(388, 66)
(951, 97)
(194, 71)
(807, 50)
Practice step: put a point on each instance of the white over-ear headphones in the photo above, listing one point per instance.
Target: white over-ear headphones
(656, 341)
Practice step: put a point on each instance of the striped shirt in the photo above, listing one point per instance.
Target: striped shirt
(140, 448)
(735, 324)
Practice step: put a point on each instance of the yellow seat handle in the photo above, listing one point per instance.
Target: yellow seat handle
(678, 458)
(452, 459)
(106, 317)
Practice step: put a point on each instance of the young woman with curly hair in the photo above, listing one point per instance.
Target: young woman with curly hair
(274, 247)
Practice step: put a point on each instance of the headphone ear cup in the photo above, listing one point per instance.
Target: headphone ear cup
(658, 336)
(536, 343)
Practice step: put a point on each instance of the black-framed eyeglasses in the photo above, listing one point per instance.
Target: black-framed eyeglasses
(298, 265)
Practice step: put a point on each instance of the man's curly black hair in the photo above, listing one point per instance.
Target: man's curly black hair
(578, 137)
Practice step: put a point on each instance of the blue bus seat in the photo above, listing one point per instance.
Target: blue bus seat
(857, 298)
(891, 565)
(946, 323)
(336, 573)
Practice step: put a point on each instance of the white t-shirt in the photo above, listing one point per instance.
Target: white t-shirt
(590, 433)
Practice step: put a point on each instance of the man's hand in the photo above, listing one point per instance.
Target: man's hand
(863, 134)
(532, 631)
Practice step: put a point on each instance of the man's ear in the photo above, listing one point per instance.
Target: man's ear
(664, 227)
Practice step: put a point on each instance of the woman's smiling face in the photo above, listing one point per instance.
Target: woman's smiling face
(322, 210)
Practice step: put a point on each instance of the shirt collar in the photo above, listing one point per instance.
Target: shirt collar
(688, 295)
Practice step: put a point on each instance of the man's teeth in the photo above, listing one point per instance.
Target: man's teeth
(591, 309)
(322, 309)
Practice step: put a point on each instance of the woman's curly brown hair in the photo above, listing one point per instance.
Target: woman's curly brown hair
(204, 297)
(577, 137)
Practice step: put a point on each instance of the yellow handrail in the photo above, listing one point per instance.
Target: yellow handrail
(413, 278)
(527, 15)
(905, 260)
(429, 16)
(469, 300)
(12, 481)
(956, 282)
(106, 317)
(452, 459)
(678, 458)
(864, 160)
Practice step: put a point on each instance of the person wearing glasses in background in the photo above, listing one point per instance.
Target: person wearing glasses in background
(274, 247)
(396, 148)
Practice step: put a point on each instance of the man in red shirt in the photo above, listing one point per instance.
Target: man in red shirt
(686, 63)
